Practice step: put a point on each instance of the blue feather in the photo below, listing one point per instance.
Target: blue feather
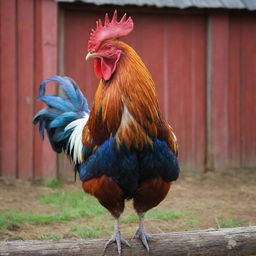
(57, 102)
(63, 120)
(70, 89)
(45, 113)
(41, 128)
(130, 167)
(159, 160)
(61, 111)
(82, 100)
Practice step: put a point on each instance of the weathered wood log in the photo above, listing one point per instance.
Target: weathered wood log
(221, 242)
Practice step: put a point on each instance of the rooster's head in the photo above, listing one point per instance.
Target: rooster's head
(102, 47)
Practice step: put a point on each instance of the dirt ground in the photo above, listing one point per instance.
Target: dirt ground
(207, 199)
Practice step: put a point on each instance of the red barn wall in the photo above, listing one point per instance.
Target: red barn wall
(28, 51)
(233, 90)
(203, 65)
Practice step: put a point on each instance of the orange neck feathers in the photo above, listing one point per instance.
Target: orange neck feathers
(125, 106)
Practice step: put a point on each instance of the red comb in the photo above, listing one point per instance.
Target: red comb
(113, 29)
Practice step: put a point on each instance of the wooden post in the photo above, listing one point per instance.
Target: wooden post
(219, 89)
(45, 26)
(209, 159)
(222, 242)
(25, 88)
(8, 90)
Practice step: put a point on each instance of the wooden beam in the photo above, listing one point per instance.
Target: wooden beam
(231, 241)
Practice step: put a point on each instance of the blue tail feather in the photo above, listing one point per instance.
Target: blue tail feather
(60, 111)
(71, 90)
(63, 120)
(57, 102)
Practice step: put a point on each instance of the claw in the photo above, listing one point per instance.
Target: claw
(144, 238)
(117, 238)
(142, 235)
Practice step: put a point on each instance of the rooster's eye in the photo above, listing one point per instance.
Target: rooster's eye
(108, 48)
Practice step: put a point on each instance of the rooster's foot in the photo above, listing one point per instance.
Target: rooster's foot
(144, 238)
(141, 234)
(117, 238)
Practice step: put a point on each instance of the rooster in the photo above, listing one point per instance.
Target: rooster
(123, 148)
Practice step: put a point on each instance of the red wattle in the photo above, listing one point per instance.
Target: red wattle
(105, 67)
(97, 68)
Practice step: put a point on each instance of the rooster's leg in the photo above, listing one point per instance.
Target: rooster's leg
(117, 238)
(141, 234)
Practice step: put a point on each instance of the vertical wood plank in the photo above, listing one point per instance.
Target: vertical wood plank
(45, 161)
(177, 67)
(49, 58)
(8, 94)
(25, 46)
(38, 78)
(220, 81)
(248, 92)
(187, 87)
(198, 102)
(209, 155)
(234, 96)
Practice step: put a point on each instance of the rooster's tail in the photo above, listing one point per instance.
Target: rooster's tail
(64, 118)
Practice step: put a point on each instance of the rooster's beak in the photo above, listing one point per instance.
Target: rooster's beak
(91, 55)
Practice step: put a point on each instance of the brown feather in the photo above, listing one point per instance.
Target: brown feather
(150, 194)
(107, 191)
(126, 106)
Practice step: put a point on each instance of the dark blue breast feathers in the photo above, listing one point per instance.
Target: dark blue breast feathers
(130, 167)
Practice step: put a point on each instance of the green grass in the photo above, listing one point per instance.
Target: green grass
(74, 204)
(232, 224)
(89, 232)
(12, 220)
(164, 215)
(52, 183)
(69, 206)
(132, 218)
(193, 223)
(154, 214)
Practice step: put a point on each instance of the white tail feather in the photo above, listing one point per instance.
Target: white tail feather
(75, 140)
